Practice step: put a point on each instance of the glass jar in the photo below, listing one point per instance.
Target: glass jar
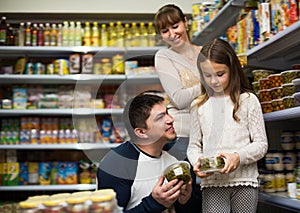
(289, 177)
(269, 182)
(29, 207)
(289, 160)
(278, 161)
(269, 161)
(55, 206)
(287, 140)
(280, 182)
(77, 204)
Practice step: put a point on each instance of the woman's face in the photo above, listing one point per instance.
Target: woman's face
(216, 76)
(176, 34)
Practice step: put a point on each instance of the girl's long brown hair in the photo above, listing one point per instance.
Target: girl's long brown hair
(220, 51)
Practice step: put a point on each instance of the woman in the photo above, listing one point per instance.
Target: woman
(177, 70)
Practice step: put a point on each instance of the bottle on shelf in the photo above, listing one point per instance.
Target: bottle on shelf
(21, 34)
(3, 31)
(10, 36)
(111, 35)
(95, 35)
(87, 34)
(65, 36)
(40, 37)
(127, 35)
(34, 35)
(72, 34)
(59, 34)
(47, 36)
(28, 34)
(143, 35)
(103, 35)
(135, 35)
(78, 34)
(120, 34)
(53, 35)
(151, 34)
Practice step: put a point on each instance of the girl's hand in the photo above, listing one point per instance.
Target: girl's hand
(198, 171)
(232, 162)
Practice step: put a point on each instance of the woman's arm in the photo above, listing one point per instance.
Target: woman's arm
(167, 66)
(194, 150)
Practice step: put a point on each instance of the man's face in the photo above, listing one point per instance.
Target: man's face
(160, 124)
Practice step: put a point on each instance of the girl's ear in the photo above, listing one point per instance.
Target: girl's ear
(141, 133)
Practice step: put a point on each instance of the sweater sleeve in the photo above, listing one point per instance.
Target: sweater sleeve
(258, 145)
(167, 69)
(194, 150)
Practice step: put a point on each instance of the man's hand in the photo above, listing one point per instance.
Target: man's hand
(167, 194)
(185, 193)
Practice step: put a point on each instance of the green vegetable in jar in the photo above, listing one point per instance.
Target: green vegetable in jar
(179, 170)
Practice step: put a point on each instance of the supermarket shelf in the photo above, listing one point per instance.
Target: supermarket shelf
(226, 17)
(280, 199)
(280, 52)
(78, 79)
(143, 79)
(65, 187)
(77, 146)
(287, 114)
(52, 112)
(50, 52)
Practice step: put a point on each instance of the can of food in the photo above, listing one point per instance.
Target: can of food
(29, 68)
(39, 68)
(106, 66)
(61, 67)
(118, 64)
(50, 69)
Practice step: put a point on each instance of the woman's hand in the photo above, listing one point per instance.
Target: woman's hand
(231, 163)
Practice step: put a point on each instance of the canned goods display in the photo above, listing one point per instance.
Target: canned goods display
(61, 67)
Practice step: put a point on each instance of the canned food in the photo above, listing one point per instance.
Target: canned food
(289, 75)
(288, 102)
(106, 66)
(118, 64)
(29, 68)
(276, 92)
(267, 107)
(264, 83)
(277, 104)
(288, 89)
(265, 95)
(258, 74)
(275, 80)
(61, 67)
(256, 86)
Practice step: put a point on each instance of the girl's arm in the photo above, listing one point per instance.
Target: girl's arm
(257, 132)
(167, 66)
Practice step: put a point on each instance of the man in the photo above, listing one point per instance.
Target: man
(134, 169)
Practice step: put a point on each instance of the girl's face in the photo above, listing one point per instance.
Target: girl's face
(176, 34)
(216, 76)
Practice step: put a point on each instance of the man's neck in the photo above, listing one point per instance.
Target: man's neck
(152, 149)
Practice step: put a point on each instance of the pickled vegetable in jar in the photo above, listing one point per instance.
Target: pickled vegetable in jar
(289, 75)
(275, 80)
(103, 201)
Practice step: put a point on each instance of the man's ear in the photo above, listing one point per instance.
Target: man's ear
(141, 133)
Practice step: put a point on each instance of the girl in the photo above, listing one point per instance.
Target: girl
(226, 121)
